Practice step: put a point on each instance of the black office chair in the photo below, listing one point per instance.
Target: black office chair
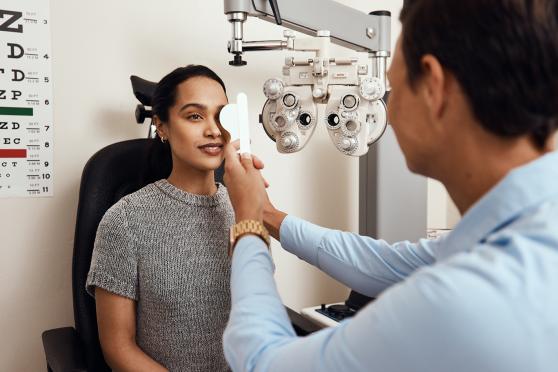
(110, 174)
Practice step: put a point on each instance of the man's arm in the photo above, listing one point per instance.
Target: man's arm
(116, 319)
(272, 219)
(443, 318)
(364, 264)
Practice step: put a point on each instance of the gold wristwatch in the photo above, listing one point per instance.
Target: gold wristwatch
(247, 227)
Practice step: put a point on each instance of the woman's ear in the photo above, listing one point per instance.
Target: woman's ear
(161, 129)
(433, 84)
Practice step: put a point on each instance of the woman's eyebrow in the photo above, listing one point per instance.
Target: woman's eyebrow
(198, 106)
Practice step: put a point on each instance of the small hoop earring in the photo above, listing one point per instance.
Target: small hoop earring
(163, 140)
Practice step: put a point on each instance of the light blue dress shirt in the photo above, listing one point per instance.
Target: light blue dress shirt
(483, 298)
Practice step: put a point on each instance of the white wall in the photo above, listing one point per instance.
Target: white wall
(442, 212)
(96, 46)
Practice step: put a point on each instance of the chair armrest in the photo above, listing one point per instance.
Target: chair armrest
(302, 325)
(63, 350)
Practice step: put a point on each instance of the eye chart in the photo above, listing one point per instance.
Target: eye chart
(26, 127)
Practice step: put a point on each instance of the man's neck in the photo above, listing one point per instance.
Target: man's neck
(472, 173)
(194, 181)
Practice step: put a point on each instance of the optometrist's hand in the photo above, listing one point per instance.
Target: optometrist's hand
(245, 184)
(258, 164)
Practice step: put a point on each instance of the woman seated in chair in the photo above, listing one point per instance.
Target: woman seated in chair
(160, 271)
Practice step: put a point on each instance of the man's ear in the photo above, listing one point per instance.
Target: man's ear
(433, 81)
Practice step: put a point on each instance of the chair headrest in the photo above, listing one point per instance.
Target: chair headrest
(143, 89)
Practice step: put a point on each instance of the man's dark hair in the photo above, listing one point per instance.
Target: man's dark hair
(504, 53)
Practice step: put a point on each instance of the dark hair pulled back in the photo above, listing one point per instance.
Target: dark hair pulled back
(164, 97)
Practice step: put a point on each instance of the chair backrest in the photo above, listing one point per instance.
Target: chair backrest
(113, 172)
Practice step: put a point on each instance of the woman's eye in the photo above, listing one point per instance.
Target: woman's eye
(194, 117)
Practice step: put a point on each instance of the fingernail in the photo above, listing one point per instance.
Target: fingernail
(246, 155)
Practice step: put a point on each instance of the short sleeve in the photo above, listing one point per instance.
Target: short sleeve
(114, 260)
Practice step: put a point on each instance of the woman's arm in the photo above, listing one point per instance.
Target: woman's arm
(116, 319)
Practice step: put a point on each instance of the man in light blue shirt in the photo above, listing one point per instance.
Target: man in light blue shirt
(471, 108)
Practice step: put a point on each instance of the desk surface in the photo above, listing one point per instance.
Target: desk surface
(302, 325)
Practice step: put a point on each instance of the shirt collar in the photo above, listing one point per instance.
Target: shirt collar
(523, 188)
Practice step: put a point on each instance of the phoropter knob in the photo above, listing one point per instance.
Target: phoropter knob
(289, 142)
(348, 144)
(273, 88)
(371, 89)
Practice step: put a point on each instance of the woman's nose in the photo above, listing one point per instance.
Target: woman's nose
(212, 128)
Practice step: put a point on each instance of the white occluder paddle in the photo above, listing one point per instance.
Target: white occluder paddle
(234, 118)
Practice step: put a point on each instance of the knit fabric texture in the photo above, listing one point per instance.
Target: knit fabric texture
(167, 250)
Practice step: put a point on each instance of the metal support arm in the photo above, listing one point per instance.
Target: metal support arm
(348, 27)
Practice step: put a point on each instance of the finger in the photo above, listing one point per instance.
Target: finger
(258, 164)
(247, 161)
(231, 158)
(236, 144)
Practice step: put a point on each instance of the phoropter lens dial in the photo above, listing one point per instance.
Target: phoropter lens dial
(273, 88)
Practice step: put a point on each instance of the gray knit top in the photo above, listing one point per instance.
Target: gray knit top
(167, 250)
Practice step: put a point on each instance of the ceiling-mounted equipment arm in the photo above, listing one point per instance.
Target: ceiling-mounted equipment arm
(348, 27)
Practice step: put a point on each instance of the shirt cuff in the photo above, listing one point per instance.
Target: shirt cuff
(301, 238)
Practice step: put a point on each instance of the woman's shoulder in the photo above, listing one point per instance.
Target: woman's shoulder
(147, 195)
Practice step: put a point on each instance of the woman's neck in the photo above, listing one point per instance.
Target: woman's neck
(194, 181)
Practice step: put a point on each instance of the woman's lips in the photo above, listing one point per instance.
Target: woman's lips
(212, 150)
